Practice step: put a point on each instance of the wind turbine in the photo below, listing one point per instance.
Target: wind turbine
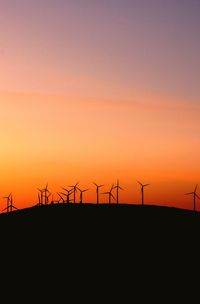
(118, 188)
(40, 197)
(110, 195)
(69, 192)
(39, 200)
(8, 202)
(46, 197)
(67, 197)
(97, 191)
(81, 194)
(194, 193)
(10, 205)
(142, 190)
(75, 190)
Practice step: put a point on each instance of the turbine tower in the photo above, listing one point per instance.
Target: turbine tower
(117, 187)
(81, 194)
(195, 195)
(46, 194)
(142, 190)
(11, 204)
(97, 191)
(110, 195)
(39, 200)
(74, 188)
(40, 197)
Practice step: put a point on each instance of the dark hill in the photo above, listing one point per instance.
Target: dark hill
(121, 217)
(101, 252)
(119, 223)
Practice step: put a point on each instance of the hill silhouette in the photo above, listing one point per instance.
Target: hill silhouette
(92, 223)
(101, 251)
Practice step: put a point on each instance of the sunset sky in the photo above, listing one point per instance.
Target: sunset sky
(98, 90)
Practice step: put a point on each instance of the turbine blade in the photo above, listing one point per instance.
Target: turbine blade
(63, 193)
(195, 189)
(95, 184)
(197, 196)
(64, 189)
(113, 196)
(60, 196)
(113, 187)
(140, 183)
(146, 185)
(189, 193)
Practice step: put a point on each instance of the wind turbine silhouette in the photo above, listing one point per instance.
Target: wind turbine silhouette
(81, 194)
(39, 200)
(118, 188)
(194, 193)
(44, 196)
(8, 202)
(40, 197)
(74, 188)
(142, 190)
(69, 192)
(97, 191)
(10, 205)
(47, 198)
(110, 195)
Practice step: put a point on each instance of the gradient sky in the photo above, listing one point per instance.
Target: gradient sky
(98, 90)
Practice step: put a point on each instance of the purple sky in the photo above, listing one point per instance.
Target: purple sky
(121, 44)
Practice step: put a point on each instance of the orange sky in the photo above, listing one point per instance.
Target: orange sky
(99, 90)
(64, 139)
